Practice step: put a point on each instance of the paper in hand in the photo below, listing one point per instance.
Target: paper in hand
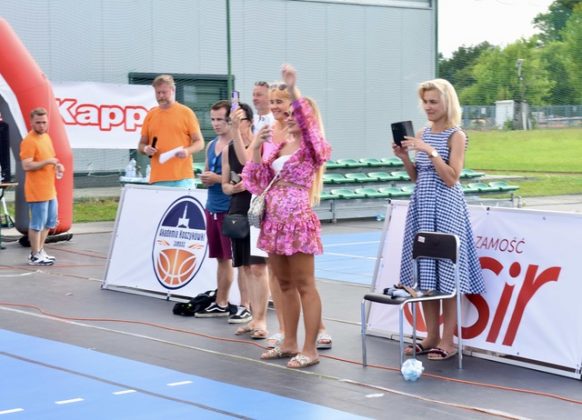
(166, 156)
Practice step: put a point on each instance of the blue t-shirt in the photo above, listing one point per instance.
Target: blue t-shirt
(218, 202)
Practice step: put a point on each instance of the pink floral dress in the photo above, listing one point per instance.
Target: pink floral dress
(290, 225)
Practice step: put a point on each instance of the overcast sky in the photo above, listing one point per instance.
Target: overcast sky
(470, 22)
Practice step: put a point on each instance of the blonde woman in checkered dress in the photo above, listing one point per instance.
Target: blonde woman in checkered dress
(438, 204)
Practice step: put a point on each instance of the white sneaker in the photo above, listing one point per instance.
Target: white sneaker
(39, 260)
(46, 256)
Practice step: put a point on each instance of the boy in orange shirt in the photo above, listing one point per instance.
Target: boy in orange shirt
(41, 167)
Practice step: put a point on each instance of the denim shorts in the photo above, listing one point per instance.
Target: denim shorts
(43, 214)
(181, 183)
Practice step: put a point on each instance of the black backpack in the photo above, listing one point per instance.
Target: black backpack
(196, 304)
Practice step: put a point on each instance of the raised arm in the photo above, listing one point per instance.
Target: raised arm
(307, 118)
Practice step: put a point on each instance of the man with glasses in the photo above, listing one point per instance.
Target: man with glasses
(261, 103)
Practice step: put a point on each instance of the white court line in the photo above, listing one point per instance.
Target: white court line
(339, 254)
(19, 274)
(11, 411)
(179, 383)
(352, 243)
(71, 401)
(125, 391)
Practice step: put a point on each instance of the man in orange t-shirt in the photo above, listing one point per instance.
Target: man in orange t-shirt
(41, 168)
(170, 130)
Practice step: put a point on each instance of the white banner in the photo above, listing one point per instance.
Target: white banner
(532, 268)
(160, 243)
(103, 115)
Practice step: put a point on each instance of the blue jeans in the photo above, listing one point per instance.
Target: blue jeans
(43, 214)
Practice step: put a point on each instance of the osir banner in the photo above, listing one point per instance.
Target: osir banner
(103, 115)
(530, 262)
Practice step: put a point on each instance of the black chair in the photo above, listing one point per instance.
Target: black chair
(427, 245)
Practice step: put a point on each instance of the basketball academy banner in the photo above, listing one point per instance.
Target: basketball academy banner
(103, 115)
(532, 269)
(159, 244)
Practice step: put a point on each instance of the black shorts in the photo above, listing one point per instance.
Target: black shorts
(241, 253)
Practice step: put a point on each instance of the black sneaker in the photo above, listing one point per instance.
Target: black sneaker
(213, 311)
(241, 316)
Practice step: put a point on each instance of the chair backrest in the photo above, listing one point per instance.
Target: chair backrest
(442, 246)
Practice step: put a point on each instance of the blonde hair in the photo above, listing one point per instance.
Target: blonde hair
(449, 97)
(38, 112)
(279, 90)
(317, 185)
(164, 79)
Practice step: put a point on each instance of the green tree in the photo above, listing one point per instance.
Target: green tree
(551, 23)
(497, 76)
(457, 69)
(572, 35)
(554, 57)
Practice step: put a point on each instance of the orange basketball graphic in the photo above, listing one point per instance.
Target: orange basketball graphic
(175, 266)
(180, 246)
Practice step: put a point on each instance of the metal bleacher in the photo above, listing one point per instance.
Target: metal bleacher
(362, 188)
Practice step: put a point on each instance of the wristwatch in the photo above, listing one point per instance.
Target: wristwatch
(434, 153)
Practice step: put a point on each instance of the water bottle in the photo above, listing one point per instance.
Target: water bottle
(133, 164)
(412, 369)
(148, 171)
(129, 170)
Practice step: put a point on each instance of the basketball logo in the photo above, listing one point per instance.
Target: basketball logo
(180, 244)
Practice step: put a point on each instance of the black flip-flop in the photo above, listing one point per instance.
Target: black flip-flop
(444, 355)
(419, 349)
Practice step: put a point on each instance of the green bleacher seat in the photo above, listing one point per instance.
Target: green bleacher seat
(349, 163)
(394, 192)
(483, 187)
(468, 189)
(503, 186)
(337, 179)
(326, 196)
(470, 173)
(361, 177)
(346, 193)
(383, 176)
(198, 167)
(373, 162)
(391, 161)
(372, 193)
(408, 188)
(402, 175)
(332, 164)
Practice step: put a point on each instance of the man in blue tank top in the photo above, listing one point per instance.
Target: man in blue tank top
(217, 206)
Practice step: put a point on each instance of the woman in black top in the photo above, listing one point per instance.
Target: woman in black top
(252, 271)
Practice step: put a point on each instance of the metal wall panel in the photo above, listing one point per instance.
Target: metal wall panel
(360, 62)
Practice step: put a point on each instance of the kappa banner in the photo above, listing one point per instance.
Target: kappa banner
(530, 262)
(160, 244)
(103, 115)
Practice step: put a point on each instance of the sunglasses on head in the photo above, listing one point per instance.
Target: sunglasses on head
(280, 86)
(262, 83)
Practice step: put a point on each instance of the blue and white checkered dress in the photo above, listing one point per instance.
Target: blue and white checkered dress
(435, 207)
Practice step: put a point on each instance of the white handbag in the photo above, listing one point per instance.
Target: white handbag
(257, 207)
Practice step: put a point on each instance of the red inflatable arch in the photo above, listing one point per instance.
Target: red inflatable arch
(32, 89)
